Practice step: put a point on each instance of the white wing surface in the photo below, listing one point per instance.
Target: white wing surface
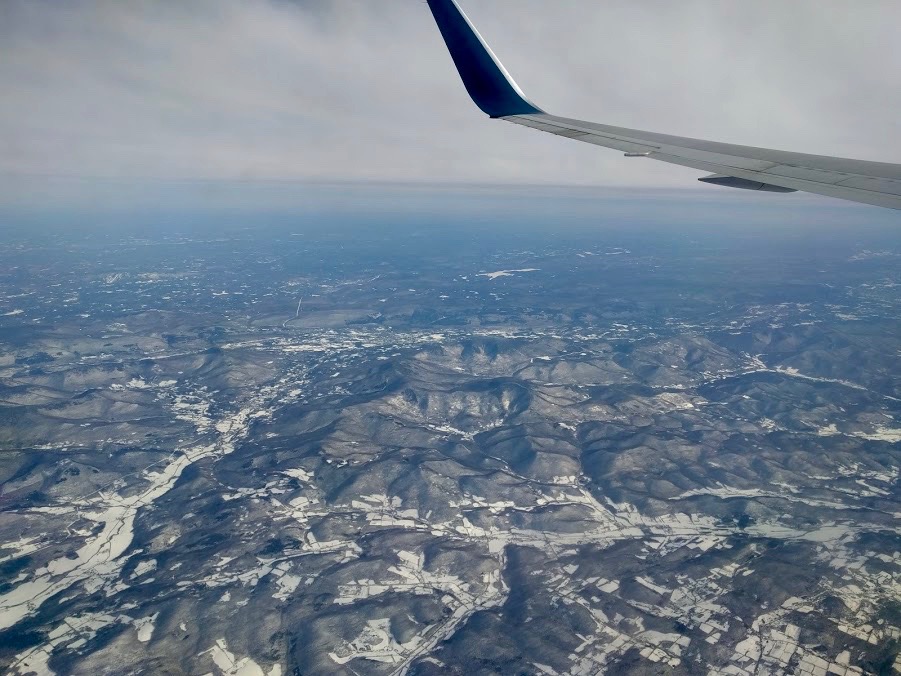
(495, 92)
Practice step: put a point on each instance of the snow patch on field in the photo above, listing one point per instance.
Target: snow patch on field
(145, 627)
(504, 273)
(231, 665)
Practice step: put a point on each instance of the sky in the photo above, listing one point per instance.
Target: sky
(312, 91)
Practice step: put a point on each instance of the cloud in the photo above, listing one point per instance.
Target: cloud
(347, 90)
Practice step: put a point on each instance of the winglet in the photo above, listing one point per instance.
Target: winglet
(487, 81)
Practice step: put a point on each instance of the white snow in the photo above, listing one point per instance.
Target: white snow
(504, 273)
(230, 665)
(145, 627)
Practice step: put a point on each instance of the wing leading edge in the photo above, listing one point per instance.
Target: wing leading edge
(494, 91)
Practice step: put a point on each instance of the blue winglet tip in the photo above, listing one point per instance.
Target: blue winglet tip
(488, 83)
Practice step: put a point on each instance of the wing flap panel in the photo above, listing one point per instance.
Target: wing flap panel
(808, 174)
(875, 184)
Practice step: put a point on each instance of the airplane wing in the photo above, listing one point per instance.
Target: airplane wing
(494, 91)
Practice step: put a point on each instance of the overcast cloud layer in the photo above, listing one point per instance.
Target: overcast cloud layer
(365, 90)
